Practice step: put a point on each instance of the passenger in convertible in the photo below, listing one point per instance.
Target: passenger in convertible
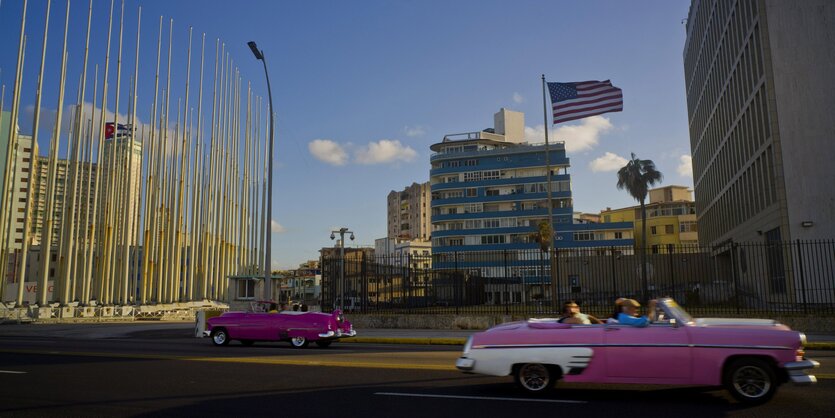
(626, 313)
(571, 315)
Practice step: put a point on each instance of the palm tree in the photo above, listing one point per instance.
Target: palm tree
(636, 177)
(544, 236)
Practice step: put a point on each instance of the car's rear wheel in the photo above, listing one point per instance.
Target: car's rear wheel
(299, 342)
(751, 380)
(220, 336)
(324, 344)
(535, 378)
(247, 342)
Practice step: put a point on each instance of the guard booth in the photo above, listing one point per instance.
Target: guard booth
(245, 289)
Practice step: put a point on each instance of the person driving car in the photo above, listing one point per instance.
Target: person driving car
(626, 313)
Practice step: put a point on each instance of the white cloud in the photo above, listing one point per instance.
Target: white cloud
(328, 151)
(685, 166)
(607, 162)
(384, 151)
(276, 227)
(517, 98)
(413, 131)
(581, 137)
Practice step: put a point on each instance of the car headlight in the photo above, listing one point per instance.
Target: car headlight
(468, 345)
(802, 339)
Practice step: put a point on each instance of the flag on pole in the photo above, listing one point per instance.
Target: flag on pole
(118, 129)
(577, 100)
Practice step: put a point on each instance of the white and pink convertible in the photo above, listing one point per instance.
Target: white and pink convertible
(749, 357)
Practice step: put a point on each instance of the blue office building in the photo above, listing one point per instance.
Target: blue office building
(489, 194)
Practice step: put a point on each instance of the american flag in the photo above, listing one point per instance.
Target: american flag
(582, 99)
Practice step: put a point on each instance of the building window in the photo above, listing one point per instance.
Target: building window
(472, 192)
(454, 163)
(583, 236)
(492, 239)
(492, 223)
(246, 289)
(655, 249)
(669, 229)
(618, 235)
(451, 211)
(471, 163)
(653, 230)
(492, 192)
(492, 175)
(687, 226)
(456, 241)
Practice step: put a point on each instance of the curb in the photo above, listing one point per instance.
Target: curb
(405, 340)
(462, 341)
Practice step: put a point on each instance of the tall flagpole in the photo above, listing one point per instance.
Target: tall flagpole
(178, 255)
(97, 284)
(5, 206)
(204, 259)
(90, 218)
(54, 148)
(129, 215)
(196, 186)
(149, 230)
(548, 185)
(34, 156)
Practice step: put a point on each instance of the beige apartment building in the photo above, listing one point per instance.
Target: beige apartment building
(122, 143)
(20, 183)
(409, 213)
(63, 189)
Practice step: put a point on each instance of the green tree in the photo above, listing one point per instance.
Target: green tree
(544, 236)
(636, 177)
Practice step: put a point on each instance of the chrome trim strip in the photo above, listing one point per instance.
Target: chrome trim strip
(754, 347)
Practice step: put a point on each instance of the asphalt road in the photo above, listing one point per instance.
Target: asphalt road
(161, 371)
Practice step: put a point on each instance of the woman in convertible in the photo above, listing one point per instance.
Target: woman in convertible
(626, 313)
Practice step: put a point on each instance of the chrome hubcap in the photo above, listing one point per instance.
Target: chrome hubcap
(751, 381)
(298, 341)
(220, 337)
(534, 376)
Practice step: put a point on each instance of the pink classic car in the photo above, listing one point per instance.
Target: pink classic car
(299, 328)
(749, 357)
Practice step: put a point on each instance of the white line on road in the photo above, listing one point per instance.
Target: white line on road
(481, 398)
(12, 372)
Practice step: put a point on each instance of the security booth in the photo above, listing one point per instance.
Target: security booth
(244, 290)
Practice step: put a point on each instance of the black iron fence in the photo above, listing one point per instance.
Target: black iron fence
(738, 279)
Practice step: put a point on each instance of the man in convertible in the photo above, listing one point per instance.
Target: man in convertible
(626, 313)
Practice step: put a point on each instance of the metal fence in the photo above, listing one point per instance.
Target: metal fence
(735, 279)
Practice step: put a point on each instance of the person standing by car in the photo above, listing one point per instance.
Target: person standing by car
(571, 315)
(626, 313)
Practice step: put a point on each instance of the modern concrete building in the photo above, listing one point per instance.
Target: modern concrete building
(759, 80)
(671, 219)
(414, 253)
(22, 178)
(489, 194)
(128, 206)
(63, 187)
(408, 213)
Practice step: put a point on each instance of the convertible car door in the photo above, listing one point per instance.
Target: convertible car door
(654, 354)
(252, 326)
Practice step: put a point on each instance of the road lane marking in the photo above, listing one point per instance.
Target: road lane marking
(826, 376)
(12, 372)
(478, 398)
(344, 362)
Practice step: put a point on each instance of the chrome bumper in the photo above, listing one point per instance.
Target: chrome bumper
(797, 371)
(207, 333)
(338, 334)
(465, 364)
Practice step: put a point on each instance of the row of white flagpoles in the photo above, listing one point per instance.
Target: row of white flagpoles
(201, 216)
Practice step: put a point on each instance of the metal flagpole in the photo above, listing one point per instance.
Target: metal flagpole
(42, 287)
(128, 213)
(97, 284)
(196, 186)
(264, 215)
(171, 230)
(164, 264)
(550, 202)
(206, 273)
(90, 219)
(5, 206)
(54, 148)
(6, 173)
(183, 162)
(149, 234)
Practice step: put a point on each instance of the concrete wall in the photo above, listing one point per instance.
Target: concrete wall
(802, 39)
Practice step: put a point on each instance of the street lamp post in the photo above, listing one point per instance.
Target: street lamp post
(342, 232)
(259, 55)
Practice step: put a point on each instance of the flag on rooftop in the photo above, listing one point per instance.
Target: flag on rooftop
(577, 100)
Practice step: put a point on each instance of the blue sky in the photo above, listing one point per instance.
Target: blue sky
(377, 82)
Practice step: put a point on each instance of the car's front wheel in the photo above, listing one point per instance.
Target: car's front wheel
(299, 342)
(220, 336)
(751, 380)
(535, 378)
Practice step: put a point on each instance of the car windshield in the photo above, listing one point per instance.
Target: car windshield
(677, 311)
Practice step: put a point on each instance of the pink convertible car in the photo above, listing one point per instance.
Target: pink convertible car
(749, 357)
(299, 328)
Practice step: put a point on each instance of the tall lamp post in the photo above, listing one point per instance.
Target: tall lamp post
(342, 232)
(259, 55)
